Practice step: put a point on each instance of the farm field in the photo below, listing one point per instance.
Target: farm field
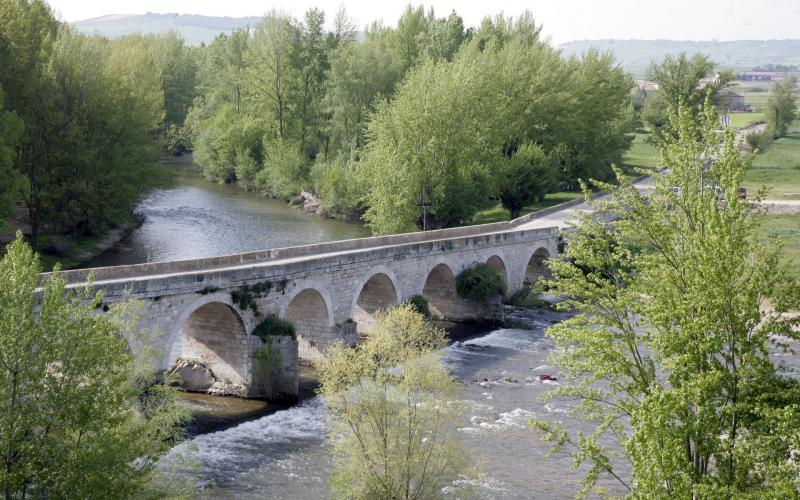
(778, 167)
(741, 120)
(785, 228)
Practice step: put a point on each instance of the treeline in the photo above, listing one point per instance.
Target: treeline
(378, 124)
(424, 113)
(82, 118)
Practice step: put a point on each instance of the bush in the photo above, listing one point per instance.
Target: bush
(337, 187)
(759, 140)
(273, 326)
(526, 299)
(480, 283)
(285, 170)
(420, 304)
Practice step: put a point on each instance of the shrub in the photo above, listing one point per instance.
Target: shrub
(420, 305)
(480, 283)
(393, 378)
(337, 186)
(526, 299)
(273, 326)
(285, 170)
(759, 140)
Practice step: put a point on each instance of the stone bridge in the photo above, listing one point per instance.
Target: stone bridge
(205, 311)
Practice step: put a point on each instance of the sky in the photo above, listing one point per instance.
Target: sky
(563, 20)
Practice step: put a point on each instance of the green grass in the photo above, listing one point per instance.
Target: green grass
(500, 214)
(778, 167)
(785, 227)
(70, 260)
(741, 120)
(640, 154)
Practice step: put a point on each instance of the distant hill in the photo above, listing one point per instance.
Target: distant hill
(635, 55)
(194, 29)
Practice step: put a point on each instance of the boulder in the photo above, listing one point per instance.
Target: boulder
(193, 375)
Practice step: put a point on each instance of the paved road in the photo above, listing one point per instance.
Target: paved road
(782, 206)
(563, 217)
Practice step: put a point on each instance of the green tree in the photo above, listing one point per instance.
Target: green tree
(679, 77)
(229, 146)
(781, 108)
(430, 144)
(79, 418)
(593, 131)
(11, 128)
(524, 178)
(27, 32)
(270, 74)
(310, 60)
(682, 80)
(178, 71)
(446, 36)
(409, 37)
(669, 356)
(359, 74)
(391, 412)
(285, 170)
(221, 69)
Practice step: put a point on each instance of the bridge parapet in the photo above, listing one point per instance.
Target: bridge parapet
(275, 254)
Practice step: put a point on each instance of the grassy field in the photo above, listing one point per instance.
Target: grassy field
(785, 227)
(741, 120)
(641, 153)
(778, 167)
(500, 214)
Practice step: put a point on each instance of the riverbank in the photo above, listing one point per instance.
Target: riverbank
(73, 252)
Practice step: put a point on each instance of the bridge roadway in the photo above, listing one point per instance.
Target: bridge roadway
(202, 313)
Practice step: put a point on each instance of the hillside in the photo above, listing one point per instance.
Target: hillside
(635, 55)
(194, 29)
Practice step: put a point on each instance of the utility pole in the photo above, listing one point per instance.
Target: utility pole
(424, 205)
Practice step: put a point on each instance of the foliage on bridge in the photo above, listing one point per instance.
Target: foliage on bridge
(480, 283)
(273, 326)
(420, 305)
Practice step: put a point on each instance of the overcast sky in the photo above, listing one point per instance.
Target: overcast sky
(564, 20)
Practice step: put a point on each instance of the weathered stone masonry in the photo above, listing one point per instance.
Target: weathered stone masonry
(329, 291)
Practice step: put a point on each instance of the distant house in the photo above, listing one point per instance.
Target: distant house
(646, 86)
(761, 76)
(731, 101)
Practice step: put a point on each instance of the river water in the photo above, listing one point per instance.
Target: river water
(195, 218)
(284, 454)
(249, 449)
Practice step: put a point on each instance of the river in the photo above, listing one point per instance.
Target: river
(284, 454)
(195, 218)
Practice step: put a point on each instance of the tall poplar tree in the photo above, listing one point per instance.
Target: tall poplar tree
(680, 305)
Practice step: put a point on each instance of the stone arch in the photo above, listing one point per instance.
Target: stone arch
(312, 317)
(537, 267)
(379, 291)
(213, 334)
(440, 291)
(498, 264)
